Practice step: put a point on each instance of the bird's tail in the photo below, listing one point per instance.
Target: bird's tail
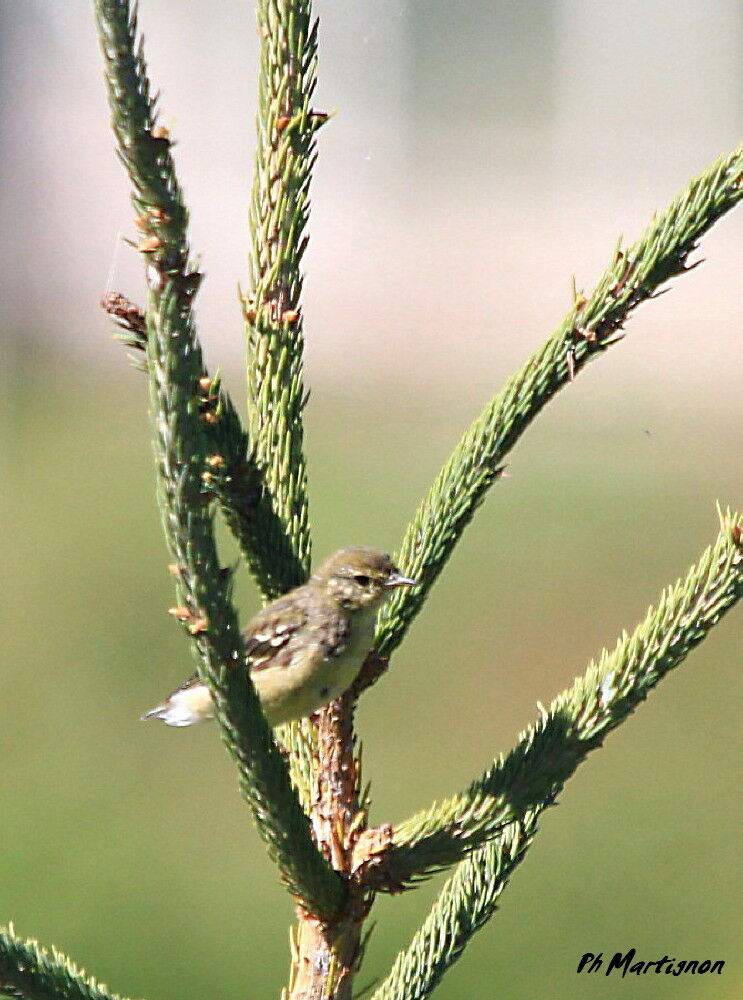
(188, 705)
(160, 712)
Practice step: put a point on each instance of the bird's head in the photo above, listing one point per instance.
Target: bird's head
(359, 577)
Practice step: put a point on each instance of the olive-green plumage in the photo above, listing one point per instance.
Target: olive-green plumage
(305, 648)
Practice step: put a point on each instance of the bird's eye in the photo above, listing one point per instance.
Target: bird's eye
(363, 581)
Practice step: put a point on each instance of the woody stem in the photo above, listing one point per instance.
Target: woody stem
(325, 956)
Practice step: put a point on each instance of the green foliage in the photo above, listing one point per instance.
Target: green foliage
(237, 483)
(27, 970)
(591, 326)
(279, 211)
(175, 366)
(466, 903)
(533, 774)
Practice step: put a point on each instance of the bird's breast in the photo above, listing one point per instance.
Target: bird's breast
(314, 675)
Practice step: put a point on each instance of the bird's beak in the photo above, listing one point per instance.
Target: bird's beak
(396, 579)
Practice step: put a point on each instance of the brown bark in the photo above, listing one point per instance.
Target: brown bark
(325, 955)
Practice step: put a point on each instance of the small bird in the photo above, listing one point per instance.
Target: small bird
(307, 647)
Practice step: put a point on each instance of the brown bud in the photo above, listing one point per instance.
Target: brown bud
(290, 315)
(205, 383)
(180, 612)
(215, 460)
(160, 214)
(174, 569)
(372, 842)
(586, 333)
(149, 244)
(198, 625)
(160, 132)
(281, 122)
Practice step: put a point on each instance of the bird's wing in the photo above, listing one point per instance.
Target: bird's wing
(278, 632)
(290, 625)
(271, 636)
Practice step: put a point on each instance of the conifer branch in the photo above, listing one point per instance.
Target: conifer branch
(465, 904)
(533, 774)
(234, 478)
(30, 972)
(591, 326)
(285, 156)
(175, 365)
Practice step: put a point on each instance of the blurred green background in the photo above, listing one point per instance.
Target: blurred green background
(503, 148)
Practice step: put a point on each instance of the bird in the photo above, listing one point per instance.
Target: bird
(305, 648)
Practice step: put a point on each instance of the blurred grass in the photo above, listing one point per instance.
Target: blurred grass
(127, 846)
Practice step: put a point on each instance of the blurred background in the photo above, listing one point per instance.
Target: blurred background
(482, 154)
